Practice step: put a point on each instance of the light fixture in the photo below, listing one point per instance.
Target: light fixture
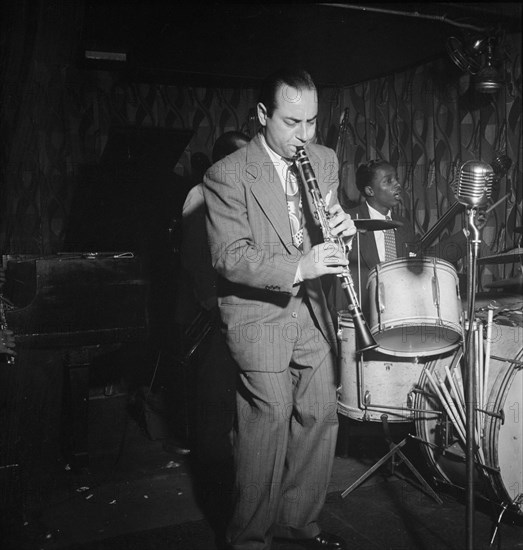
(488, 81)
(475, 56)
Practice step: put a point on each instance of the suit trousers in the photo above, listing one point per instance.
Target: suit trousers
(285, 439)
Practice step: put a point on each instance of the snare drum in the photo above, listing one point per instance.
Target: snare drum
(415, 307)
(500, 428)
(373, 384)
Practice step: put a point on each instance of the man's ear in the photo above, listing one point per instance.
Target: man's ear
(262, 113)
(369, 191)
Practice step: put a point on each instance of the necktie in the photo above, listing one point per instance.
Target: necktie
(294, 205)
(390, 243)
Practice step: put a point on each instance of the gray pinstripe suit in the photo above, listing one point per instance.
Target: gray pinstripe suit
(282, 337)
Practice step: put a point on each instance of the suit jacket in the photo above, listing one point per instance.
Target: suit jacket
(253, 253)
(362, 263)
(197, 282)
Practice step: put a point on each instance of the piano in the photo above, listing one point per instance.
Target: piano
(79, 304)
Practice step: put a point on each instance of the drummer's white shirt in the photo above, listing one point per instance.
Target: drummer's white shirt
(378, 235)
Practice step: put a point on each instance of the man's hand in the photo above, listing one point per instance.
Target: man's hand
(340, 223)
(323, 259)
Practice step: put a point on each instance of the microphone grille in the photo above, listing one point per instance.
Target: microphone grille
(475, 182)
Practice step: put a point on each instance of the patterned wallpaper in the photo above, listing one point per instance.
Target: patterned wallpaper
(58, 118)
(428, 121)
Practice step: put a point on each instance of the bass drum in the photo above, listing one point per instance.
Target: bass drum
(500, 428)
(415, 307)
(373, 384)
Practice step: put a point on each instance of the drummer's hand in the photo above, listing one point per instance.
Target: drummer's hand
(340, 223)
(323, 259)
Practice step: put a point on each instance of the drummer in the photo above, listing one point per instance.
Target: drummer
(377, 181)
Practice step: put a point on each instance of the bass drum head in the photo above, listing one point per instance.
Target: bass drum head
(504, 436)
(501, 427)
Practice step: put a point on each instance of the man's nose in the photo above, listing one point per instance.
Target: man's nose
(303, 133)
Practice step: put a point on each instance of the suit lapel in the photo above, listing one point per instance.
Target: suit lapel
(268, 191)
(402, 238)
(368, 248)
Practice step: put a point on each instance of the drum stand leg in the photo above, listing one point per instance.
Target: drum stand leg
(395, 449)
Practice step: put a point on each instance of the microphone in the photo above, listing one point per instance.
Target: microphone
(475, 183)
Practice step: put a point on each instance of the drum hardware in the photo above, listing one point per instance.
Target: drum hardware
(366, 399)
(506, 283)
(410, 400)
(427, 413)
(424, 441)
(366, 404)
(500, 415)
(355, 399)
(394, 450)
(515, 362)
(460, 458)
(503, 258)
(516, 503)
(456, 457)
(498, 523)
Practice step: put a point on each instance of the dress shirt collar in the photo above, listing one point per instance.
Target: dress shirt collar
(375, 215)
(280, 164)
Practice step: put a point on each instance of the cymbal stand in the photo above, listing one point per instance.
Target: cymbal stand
(470, 353)
(394, 450)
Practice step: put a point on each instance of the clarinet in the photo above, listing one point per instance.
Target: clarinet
(364, 336)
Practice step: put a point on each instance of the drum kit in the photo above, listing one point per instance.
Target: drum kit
(418, 374)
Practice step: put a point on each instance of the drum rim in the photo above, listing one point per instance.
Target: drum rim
(382, 266)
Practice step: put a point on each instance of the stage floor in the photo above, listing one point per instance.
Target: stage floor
(146, 493)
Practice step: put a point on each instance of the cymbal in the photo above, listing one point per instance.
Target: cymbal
(505, 258)
(376, 225)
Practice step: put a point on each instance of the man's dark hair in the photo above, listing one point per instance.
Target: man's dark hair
(227, 143)
(366, 172)
(293, 77)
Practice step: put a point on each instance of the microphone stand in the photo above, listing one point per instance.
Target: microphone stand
(470, 353)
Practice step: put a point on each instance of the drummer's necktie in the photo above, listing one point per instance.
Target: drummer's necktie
(294, 205)
(390, 243)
